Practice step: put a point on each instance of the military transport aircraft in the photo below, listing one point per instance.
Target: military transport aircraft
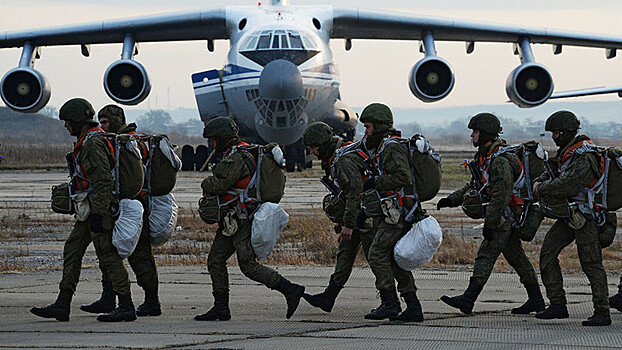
(280, 74)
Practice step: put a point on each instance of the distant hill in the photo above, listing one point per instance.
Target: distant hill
(18, 127)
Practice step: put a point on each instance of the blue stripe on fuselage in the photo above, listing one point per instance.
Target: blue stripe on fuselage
(253, 77)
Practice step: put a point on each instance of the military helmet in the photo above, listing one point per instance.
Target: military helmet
(76, 110)
(377, 113)
(220, 126)
(317, 134)
(486, 122)
(115, 115)
(562, 121)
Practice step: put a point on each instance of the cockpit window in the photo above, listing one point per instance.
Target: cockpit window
(265, 46)
(264, 41)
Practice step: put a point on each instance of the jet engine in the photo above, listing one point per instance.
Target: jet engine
(529, 85)
(25, 89)
(431, 79)
(126, 82)
(342, 119)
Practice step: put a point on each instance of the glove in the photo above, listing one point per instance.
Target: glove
(369, 184)
(97, 223)
(488, 233)
(337, 228)
(443, 203)
(360, 219)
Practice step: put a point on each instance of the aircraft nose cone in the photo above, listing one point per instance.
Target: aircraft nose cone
(280, 80)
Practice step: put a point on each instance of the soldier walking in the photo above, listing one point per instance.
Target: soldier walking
(112, 120)
(231, 176)
(579, 168)
(499, 173)
(92, 162)
(394, 179)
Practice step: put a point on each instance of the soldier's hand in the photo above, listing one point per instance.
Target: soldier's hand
(97, 223)
(337, 228)
(443, 203)
(369, 184)
(536, 187)
(488, 233)
(360, 219)
(345, 235)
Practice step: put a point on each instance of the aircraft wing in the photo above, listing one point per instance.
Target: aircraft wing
(601, 90)
(195, 25)
(353, 23)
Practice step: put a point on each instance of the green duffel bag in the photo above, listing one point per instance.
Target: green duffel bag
(555, 208)
(334, 207)
(61, 199)
(531, 224)
(371, 203)
(210, 209)
(607, 232)
(474, 204)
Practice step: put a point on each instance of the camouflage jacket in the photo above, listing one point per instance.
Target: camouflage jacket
(394, 167)
(96, 163)
(580, 172)
(229, 174)
(348, 172)
(502, 173)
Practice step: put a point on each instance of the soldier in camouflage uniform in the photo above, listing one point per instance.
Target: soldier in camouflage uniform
(233, 174)
(348, 172)
(112, 120)
(93, 162)
(394, 177)
(578, 172)
(499, 238)
(615, 301)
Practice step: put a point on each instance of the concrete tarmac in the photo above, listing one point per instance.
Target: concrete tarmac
(258, 315)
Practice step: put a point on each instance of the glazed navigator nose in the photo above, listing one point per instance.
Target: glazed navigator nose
(280, 80)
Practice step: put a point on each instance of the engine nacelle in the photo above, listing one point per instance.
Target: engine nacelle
(25, 89)
(126, 82)
(431, 79)
(342, 119)
(529, 85)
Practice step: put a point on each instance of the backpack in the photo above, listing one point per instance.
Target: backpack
(612, 179)
(162, 166)
(268, 178)
(128, 172)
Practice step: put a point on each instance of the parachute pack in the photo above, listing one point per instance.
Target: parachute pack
(268, 178)
(128, 172)
(425, 166)
(162, 166)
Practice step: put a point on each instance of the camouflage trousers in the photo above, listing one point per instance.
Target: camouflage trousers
(142, 261)
(381, 259)
(506, 241)
(109, 260)
(223, 248)
(588, 246)
(346, 254)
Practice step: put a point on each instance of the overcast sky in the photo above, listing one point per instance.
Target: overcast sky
(371, 71)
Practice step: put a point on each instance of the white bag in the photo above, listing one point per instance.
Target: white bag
(162, 218)
(268, 222)
(419, 245)
(128, 226)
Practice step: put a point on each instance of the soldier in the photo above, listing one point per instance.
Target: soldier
(500, 171)
(577, 172)
(233, 174)
(347, 172)
(391, 159)
(112, 119)
(615, 301)
(92, 160)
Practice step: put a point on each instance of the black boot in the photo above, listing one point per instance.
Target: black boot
(413, 312)
(59, 310)
(105, 304)
(465, 301)
(125, 311)
(615, 301)
(553, 311)
(389, 306)
(326, 299)
(597, 320)
(151, 306)
(534, 303)
(220, 311)
(292, 292)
